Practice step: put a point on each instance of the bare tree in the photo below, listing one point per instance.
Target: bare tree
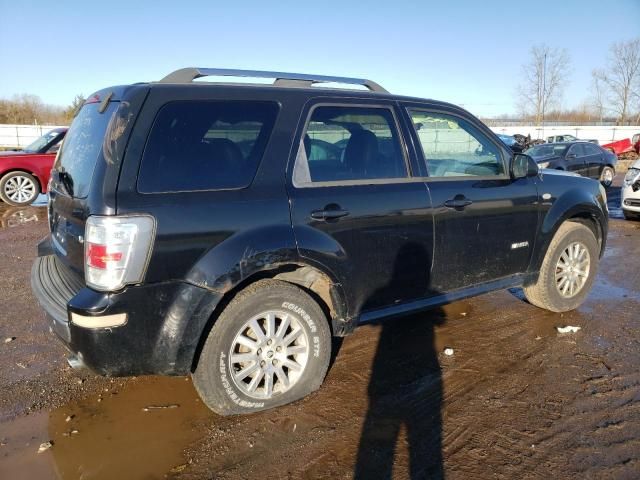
(29, 109)
(545, 76)
(598, 92)
(622, 77)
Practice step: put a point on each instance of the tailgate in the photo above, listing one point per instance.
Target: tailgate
(71, 180)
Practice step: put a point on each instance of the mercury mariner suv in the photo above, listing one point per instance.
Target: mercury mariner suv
(228, 231)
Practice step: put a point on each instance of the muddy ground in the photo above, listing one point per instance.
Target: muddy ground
(516, 399)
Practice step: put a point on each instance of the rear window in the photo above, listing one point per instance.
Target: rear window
(591, 149)
(197, 146)
(82, 146)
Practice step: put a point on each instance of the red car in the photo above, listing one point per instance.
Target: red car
(619, 147)
(24, 174)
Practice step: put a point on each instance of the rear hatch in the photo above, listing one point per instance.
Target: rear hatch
(71, 199)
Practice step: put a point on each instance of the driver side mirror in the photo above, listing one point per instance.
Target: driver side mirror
(522, 166)
(571, 155)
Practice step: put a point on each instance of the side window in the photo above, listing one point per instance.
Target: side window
(205, 145)
(453, 147)
(591, 149)
(343, 143)
(576, 150)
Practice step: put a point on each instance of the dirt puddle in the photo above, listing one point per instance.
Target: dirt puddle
(11, 217)
(137, 433)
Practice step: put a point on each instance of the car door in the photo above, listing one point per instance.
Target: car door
(575, 159)
(594, 160)
(485, 223)
(355, 208)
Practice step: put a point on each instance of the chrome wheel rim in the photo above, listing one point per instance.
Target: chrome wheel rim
(607, 176)
(269, 354)
(20, 189)
(572, 269)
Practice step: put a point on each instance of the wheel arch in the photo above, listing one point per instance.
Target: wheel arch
(576, 205)
(316, 281)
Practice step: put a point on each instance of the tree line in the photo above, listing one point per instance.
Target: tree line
(614, 94)
(27, 109)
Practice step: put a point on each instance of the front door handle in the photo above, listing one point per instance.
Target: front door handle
(330, 212)
(458, 202)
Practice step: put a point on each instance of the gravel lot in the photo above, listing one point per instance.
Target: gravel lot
(516, 399)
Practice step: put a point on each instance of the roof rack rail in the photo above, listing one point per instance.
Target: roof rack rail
(187, 75)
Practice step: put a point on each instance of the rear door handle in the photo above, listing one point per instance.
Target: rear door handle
(459, 202)
(329, 214)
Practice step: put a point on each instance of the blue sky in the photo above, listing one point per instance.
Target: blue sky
(465, 52)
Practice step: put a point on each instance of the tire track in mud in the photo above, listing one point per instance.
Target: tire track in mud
(519, 400)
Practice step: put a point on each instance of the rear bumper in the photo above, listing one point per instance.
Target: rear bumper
(54, 285)
(161, 334)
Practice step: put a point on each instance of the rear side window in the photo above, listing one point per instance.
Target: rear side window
(591, 149)
(344, 144)
(205, 145)
(83, 145)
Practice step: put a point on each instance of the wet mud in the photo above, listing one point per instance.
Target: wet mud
(511, 397)
(134, 432)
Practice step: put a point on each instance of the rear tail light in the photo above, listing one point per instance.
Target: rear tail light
(117, 250)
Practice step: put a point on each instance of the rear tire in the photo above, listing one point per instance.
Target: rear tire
(568, 270)
(19, 189)
(606, 176)
(249, 362)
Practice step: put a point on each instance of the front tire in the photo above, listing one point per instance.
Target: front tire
(568, 270)
(270, 346)
(19, 189)
(606, 176)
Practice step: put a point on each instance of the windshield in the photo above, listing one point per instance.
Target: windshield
(81, 148)
(42, 142)
(507, 139)
(546, 151)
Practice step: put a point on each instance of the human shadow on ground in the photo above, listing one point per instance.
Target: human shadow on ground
(405, 390)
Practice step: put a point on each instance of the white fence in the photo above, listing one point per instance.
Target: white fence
(19, 136)
(14, 136)
(602, 134)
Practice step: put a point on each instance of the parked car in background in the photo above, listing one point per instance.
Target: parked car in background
(582, 157)
(527, 141)
(511, 142)
(619, 146)
(635, 140)
(569, 138)
(630, 202)
(24, 174)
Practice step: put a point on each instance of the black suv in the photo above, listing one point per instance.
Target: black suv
(230, 230)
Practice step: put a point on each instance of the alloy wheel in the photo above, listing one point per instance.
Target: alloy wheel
(572, 269)
(20, 189)
(269, 354)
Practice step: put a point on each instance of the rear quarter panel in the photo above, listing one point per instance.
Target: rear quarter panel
(215, 238)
